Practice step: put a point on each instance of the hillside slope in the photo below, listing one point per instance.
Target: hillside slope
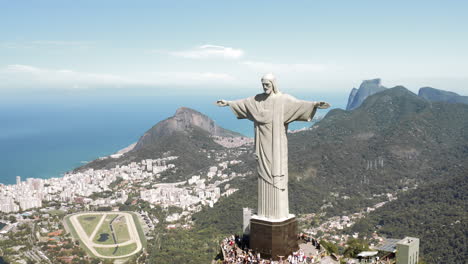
(395, 141)
(436, 213)
(188, 135)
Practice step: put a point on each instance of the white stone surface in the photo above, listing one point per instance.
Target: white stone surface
(271, 112)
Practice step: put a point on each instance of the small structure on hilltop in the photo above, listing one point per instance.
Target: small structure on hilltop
(401, 251)
(407, 251)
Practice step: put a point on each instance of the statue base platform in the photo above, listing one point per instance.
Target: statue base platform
(273, 238)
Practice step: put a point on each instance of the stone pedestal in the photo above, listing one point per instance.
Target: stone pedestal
(273, 238)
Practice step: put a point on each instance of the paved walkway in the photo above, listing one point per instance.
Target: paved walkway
(308, 249)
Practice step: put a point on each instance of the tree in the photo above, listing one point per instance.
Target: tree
(68, 246)
(12, 219)
(354, 247)
(329, 246)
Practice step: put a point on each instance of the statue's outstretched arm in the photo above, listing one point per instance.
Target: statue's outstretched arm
(322, 105)
(222, 102)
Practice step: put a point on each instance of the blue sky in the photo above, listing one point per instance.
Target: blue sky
(87, 47)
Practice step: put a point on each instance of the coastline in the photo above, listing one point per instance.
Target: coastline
(78, 164)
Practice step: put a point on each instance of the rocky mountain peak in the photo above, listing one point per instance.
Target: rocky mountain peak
(372, 82)
(366, 89)
(184, 121)
(185, 110)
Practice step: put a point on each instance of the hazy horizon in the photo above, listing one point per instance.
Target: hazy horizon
(92, 48)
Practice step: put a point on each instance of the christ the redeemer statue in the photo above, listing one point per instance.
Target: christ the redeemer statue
(271, 112)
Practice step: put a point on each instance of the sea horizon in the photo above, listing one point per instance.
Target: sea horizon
(47, 139)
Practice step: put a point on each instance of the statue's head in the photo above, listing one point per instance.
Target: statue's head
(269, 84)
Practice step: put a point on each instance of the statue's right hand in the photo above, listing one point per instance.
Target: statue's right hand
(222, 103)
(323, 105)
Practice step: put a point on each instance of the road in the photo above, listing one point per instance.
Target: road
(88, 241)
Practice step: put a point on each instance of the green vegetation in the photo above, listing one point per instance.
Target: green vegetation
(104, 194)
(12, 219)
(435, 213)
(117, 251)
(104, 234)
(104, 209)
(329, 246)
(75, 235)
(201, 243)
(354, 247)
(89, 222)
(186, 145)
(56, 213)
(116, 182)
(226, 215)
(120, 229)
(185, 246)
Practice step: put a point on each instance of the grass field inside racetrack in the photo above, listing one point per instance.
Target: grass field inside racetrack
(119, 251)
(89, 222)
(120, 229)
(104, 235)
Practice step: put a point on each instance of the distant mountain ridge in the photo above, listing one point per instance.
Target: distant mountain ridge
(366, 89)
(369, 87)
(437, 95)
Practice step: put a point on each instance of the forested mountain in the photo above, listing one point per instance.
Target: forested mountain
(395, 141)
(435, 213)
(184, 120)
(188, 134)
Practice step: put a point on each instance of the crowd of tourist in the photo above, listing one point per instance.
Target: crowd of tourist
(235, 251)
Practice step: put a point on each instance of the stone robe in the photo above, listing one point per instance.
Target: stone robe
(271, 116)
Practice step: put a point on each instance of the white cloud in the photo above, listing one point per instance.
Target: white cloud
(209, 51)
(30, 76)
(285, 68)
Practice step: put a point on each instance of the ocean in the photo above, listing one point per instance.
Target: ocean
(48, 138)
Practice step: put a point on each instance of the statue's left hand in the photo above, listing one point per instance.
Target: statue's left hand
(222, 103)
(322, 105)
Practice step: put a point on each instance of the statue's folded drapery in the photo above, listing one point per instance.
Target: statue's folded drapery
(271, 116)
